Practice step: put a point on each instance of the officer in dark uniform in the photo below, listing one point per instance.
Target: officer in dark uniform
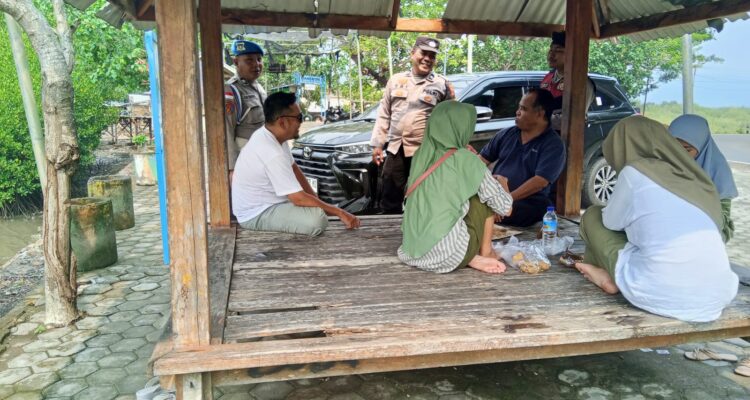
(244, 97)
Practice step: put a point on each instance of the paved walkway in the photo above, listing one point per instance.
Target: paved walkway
(104, 355)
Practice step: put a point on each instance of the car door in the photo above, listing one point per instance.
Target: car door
(500, 95)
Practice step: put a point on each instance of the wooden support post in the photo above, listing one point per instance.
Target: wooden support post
(578, 29)
(188, 239)
(213, 104)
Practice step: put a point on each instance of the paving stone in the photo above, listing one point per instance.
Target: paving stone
(415, 392)
(104, 340)
(92, 354)
(37, 317)
(131, 384)
(595, 393)
(13, 375)
(41, 345)
(272, 390)
(123, 316)
(138, 367)
(145, 351)
(738, 342)
(55, 333)
(155, 336)
(658, 391)
(342, 384)
(634, 397)
(65, 388)
(83, 300)
(455, 396)
(143, 287)
(79, 336)
(24, 328)
(26, 359)
(154, 309)
(66, 349)
(92, 322)
(78, 370)
(574, 377)
(138, 332)
(97, 289)
(379, 390)
(115, 327)
(36, 382)
(135, 305)
(94, 310)
(110, 302)
(127, 345)
(115, 360)
(161, 299)
(103, 392)
(247, 396)
(723, 347)
(716, 363)
(6, 391)
(697, 394)
(147, 319)
(51, 364)
(132, 276)
(106, 376)
(346, 396)
(26, 396)
(135, 296)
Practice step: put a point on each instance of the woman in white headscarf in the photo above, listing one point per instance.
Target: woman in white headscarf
(693, 133)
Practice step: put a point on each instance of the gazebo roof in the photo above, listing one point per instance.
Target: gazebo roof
(639, 19)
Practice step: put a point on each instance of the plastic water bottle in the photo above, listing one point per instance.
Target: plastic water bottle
(549, 227)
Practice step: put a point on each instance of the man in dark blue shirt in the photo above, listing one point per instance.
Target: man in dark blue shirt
(530, 156)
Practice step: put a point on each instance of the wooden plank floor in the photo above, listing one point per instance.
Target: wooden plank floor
(344, 303)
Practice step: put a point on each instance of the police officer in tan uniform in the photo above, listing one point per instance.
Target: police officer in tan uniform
(244, 97)
(408, 100)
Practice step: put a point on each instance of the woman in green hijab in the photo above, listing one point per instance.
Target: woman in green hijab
(658, 240)
(450, 213)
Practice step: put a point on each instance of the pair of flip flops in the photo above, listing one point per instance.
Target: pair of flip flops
(703, 354)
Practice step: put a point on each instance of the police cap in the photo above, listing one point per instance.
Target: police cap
(240, 47)
(427, 44)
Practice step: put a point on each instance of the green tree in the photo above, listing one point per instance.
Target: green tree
(110, 63)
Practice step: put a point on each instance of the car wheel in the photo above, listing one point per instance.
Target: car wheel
(599, 183)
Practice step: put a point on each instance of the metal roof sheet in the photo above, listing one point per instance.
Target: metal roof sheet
(345, 7)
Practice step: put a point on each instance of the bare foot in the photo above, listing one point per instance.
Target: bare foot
(598, 276)
(487, 264)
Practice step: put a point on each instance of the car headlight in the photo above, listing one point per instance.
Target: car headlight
(356, 148)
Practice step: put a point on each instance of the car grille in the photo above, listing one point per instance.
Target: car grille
(317, 166)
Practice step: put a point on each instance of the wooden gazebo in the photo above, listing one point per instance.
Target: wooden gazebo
(249, 307)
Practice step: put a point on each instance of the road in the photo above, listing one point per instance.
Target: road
(736, 147)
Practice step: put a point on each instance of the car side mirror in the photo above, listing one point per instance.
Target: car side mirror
(483, 113)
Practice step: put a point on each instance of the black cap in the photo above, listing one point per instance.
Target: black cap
(558, 38)
(427, 44)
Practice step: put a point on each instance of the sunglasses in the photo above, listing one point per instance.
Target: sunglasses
(298, 117)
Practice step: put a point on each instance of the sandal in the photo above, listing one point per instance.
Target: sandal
(743, 368)
(704, 354)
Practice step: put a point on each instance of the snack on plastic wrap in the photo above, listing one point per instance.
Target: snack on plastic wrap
(569, 259)
(525, 256)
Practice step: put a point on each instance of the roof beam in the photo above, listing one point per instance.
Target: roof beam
(677, 17)
(338, 21)
(394, 13)
(144, 8)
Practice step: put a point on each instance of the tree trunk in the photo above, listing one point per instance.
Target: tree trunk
(62, 153)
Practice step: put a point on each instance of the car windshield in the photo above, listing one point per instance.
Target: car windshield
(370, 114)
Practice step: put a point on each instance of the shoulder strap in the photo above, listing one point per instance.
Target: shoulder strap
(430, 170)
(238, 101)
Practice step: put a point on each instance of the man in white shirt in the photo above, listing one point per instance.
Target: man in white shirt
(269, 191)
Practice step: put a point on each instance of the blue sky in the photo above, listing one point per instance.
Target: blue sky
(718, 84)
